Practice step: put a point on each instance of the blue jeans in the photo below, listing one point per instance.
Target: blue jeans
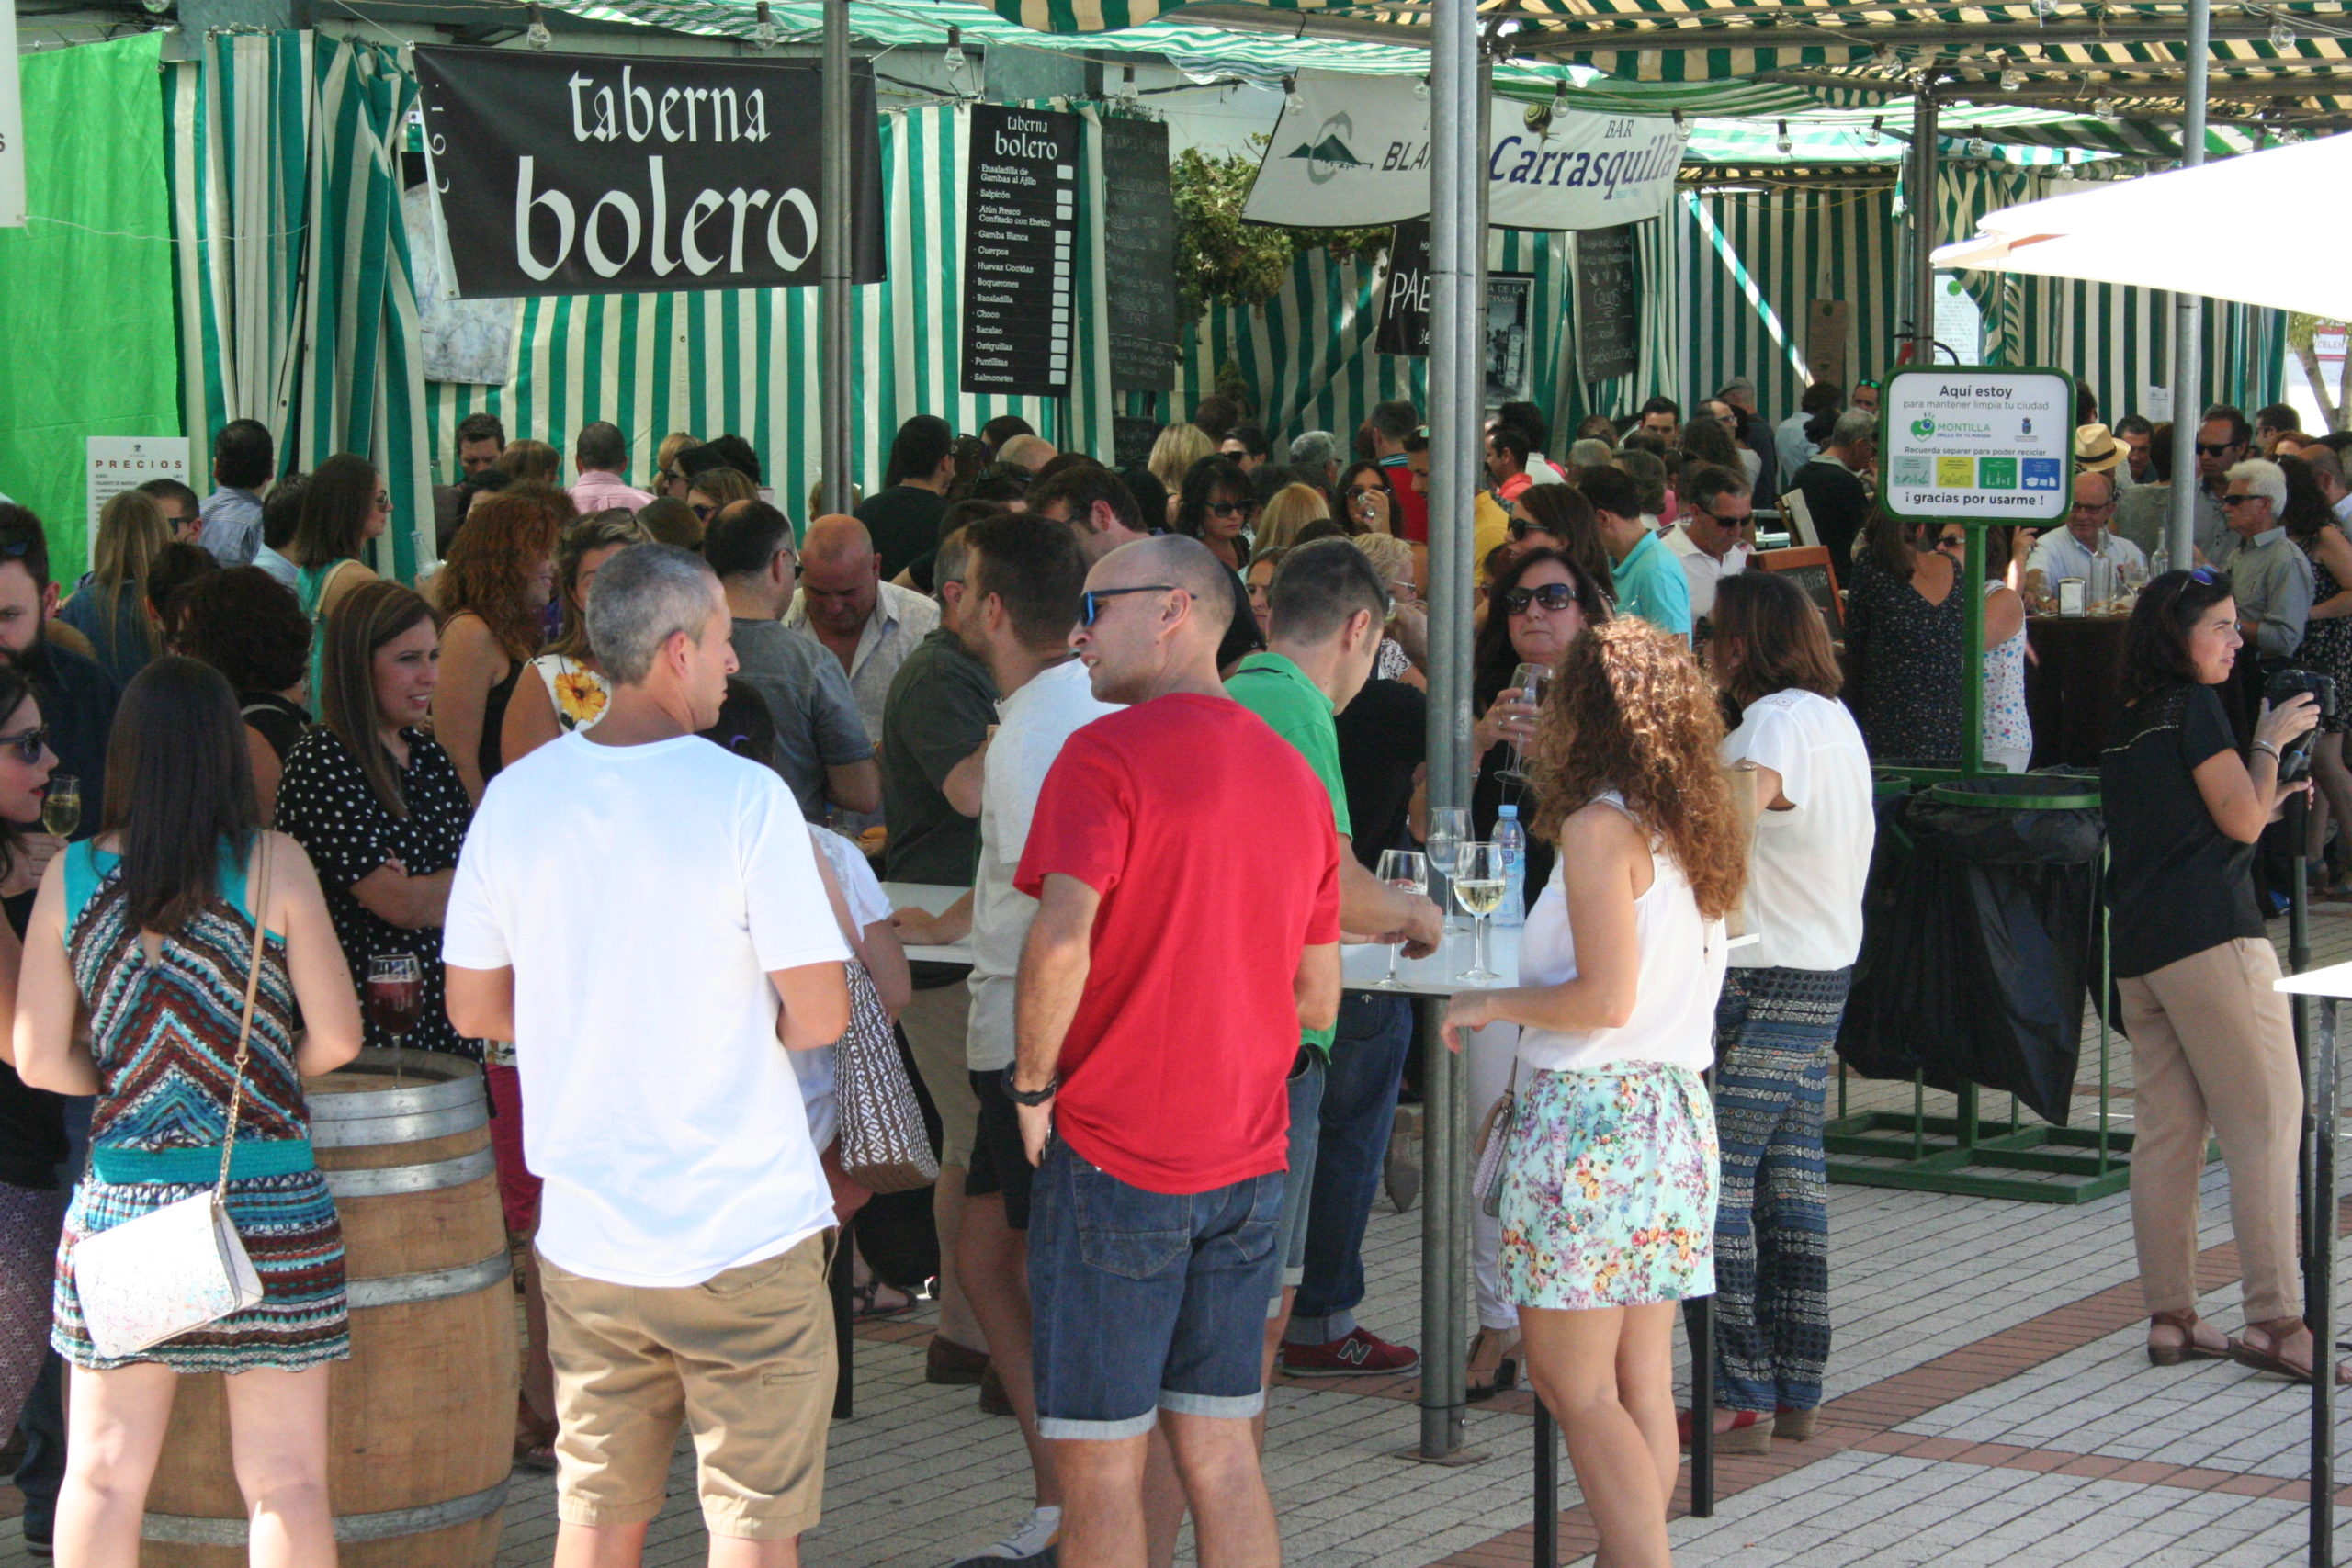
(1375, 1035)
(1298, 1176)
(1147, 1301)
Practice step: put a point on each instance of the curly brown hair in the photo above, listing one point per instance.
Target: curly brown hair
(1628, 710)
(492, 557)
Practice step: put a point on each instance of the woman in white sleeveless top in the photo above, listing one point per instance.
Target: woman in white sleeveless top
(1608, 1194)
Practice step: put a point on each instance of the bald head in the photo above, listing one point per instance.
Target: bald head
(837, 538)
(1030, 452)
(1179, 561)
(1162, 606)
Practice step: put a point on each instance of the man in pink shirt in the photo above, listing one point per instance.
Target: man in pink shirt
(601, 455)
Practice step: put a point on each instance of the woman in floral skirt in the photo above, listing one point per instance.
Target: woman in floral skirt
(1608, 1201)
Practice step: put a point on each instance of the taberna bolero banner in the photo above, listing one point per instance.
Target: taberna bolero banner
(588, 173)
(1352, 152)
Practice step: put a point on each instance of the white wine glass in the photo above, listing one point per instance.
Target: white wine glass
(1531, 680)
(1408, 873)
(61, 806)
(1449, 827)
(1478, 883)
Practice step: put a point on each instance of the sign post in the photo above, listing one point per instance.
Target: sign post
(12, 124)
(1981, 445)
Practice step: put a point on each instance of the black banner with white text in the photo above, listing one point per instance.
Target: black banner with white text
(584, 174)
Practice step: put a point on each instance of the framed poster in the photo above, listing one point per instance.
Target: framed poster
(1510, 333)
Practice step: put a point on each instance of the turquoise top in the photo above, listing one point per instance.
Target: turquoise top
(1650, 585)
(86, 866)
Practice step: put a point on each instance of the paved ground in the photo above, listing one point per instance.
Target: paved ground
(1989, 1403)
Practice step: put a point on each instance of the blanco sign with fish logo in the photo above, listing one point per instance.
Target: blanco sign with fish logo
(1352, 151)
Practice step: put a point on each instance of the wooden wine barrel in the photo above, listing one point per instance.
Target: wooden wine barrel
(421, 1417)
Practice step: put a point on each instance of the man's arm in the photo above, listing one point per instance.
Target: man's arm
(481, 1002)
(1381, 913)
(854, 787)
(1054, 963)
(1315, 983)
(962, 784)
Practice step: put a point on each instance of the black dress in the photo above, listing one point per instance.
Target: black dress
(325, 804)
(1910, 657)
(276, 720)
(488, 756)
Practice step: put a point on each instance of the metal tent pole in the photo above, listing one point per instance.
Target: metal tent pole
(1457, 171)
(1923, 220)
(2319, 1273)
(2188, 318)
(834, 234)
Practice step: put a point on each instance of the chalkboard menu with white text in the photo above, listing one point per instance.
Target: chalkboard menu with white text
(1020, 223)
(1608, 303)
(1139, 254)
(1405, 292)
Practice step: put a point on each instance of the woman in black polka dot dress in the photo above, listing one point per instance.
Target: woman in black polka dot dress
(377, 802)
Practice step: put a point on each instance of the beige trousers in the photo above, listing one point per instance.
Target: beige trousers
(2213, 1046)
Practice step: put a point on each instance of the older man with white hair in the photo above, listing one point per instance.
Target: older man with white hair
(1315, 456)
(2270, 576)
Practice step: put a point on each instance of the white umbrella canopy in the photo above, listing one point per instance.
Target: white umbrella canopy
(2262, 228)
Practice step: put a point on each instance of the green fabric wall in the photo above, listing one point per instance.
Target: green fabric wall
(86, 326)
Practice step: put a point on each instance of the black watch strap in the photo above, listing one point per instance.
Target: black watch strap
(1031, 1097)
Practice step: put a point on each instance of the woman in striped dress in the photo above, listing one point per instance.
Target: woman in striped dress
(150, 927)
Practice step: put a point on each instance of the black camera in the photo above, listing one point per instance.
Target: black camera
(2284, 685)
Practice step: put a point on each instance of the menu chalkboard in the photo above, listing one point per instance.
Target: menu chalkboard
(1608, 303)
(1020, 216)
(1405, 292)
(1139, 254)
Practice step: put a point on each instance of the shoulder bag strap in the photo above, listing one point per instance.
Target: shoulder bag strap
(257, 903)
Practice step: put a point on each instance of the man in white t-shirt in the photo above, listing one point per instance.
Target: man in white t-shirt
(1023, 579)
(1712, 540)
(640, 912)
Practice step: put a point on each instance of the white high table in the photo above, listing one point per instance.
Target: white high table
(2331, 985)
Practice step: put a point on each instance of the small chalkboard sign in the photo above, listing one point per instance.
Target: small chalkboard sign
(1809, 567)
(1139, 254)
(1608, 303)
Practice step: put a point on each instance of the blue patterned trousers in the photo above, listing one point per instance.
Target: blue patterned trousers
(1775, 1029)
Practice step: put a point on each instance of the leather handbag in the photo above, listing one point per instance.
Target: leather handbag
(1494, 1143)
(883, 1144)
(182, 1266)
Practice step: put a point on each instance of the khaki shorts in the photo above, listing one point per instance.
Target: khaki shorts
(745, 1358)
(934, 1021)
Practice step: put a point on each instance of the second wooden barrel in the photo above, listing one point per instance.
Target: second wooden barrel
(421, 1417)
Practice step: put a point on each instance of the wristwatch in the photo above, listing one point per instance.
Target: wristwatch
(1031, 1096)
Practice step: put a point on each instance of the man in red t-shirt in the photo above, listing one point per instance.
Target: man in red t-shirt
(1187, 873)
(1395, 429)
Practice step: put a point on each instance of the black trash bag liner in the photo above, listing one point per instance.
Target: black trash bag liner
(1979, 945)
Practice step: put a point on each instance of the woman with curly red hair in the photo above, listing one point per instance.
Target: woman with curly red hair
(493, 591)
(1608, 1196)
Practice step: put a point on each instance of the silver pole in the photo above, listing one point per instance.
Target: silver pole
(834, 238)
(2188, 320)
(1457, 256)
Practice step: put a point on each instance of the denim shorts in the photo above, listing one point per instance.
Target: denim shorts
(1298, 1182)
(1144, 1302)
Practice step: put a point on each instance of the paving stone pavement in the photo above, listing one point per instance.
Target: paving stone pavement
(1979, 1414)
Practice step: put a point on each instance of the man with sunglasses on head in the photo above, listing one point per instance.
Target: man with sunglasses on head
(1187, 873)
(1712, 541)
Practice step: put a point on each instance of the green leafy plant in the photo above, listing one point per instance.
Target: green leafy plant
(1221, 259)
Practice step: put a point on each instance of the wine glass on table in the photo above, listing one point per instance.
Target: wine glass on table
(1448, 825)
(1529, 681)
(395, 999)
(1478, 883)
(1408, 873)
(61, 806)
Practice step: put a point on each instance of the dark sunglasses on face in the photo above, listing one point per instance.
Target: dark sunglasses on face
(1089, 606)
(1554, 596)
(1230, 508)
(1952, 542)
(2241, 499)
(704, 510)
(28, 745)
(1520, 528)
(2215, 449)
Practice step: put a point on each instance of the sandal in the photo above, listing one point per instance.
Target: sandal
(1746, 1431)
(2268, 1356)
(534, 1439)
(1496, 1354)
(2165, 1353)
(866, 1304)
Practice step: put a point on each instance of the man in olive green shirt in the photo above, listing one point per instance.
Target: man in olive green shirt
(1328, 609)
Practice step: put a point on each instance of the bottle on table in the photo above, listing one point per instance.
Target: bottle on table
(1511, 841)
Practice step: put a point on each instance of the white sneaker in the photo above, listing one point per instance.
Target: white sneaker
(1032, 1543)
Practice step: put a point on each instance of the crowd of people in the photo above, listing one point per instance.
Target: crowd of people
(1161, 721)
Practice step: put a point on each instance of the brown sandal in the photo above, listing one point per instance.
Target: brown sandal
(2185, 1323)
(534, 1439)
(1505, 1367)
(2267, 1358)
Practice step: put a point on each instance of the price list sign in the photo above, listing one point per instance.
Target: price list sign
(1019, 225)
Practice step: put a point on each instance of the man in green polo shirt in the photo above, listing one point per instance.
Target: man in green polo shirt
(1328, 609)
(1650, 581)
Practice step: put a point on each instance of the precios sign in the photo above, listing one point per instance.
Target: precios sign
(583, 174)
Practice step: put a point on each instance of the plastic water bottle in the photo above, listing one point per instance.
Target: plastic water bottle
(1511, 839)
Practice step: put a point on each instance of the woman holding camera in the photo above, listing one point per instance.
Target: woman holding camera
(2211, 1042)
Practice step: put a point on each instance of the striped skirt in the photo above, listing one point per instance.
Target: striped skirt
(289, 1226)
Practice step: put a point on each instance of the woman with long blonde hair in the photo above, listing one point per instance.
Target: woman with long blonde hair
(1173, 453)
(1608, 1199)
(1291, 509)
(110, 606)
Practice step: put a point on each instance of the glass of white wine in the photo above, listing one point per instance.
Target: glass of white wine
(1531, 680)
(1478, 883)
(1448, 825)
(1408, 873)
(61, 806)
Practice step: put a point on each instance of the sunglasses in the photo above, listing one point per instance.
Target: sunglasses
(17, 548)
(1090, 604)
(1952, 542)
(1552, 596)
(1230, 508)
(383, 502)
(2241, 499)
(2206, 575)
(704, 511)
(1520, 528)
(2216, 448)
(28, 745)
